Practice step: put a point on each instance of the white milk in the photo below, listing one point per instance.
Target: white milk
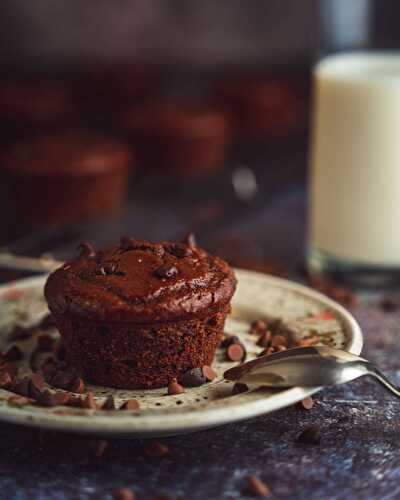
(355, 158)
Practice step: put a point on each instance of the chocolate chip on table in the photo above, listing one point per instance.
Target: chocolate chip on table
(175, 388)
(156, 449)
(130, 404)
(78, 386)
(236, 352)
(124, 494)
(192, 378)
(109, 404)
(209, 373)
(390, 305)
(310, 435)
(307, 403)
(19, 334)
(166, 272)
(239, 387)
(14, 353)
(257, 487)
(89, 402)
(45, 343)
(100, 447)
(86, 249)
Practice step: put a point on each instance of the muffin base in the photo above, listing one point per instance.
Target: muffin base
(133, 356)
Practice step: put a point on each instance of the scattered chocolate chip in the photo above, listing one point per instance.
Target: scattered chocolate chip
(229, 339)
(156, 449)
(19, 334)
(235, 352)
(166, 272)
(14, 353)
(130, 404)
(86, 249)
(100, 447)
(124, 494)
(180, 250)
(390, 305)
(209, 373)
(239, 387)
(192, 378)
(78, 386)
(109, 403)
(258, 326)
(265, 339)
(278, 340)
(257, 487)
(47, 322)
(17, 401)
(5, 379)
(310, 435)
(307, 403)
(175, 388)
(45, 343)
(89, 402)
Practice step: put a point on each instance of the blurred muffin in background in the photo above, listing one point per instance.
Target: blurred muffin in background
(263, 108)
(66, 176)
(30, 107)
(108, 88)
(182, 136)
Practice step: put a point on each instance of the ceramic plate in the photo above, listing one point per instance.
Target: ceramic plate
(213, 404)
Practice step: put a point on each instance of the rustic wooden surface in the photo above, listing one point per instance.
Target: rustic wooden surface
(358, 456)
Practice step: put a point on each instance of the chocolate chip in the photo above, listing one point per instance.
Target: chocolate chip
(130, 404)
(45, 343)
(235, 352)
(5, 379)
(89, 402)
(14, 353)
(47, 322)
(166, 272)
(307, 403)
(239, 387)
(179, 250)
(78, 386)
(258, 326)
(192, 378)
(209, 373)
(100, 447)
(390, 305)
(19, 334)
(257, 487)
(310, 435)
(124, 494)
(175, 388)
(265, 339)
(86, 250)
(109, 403)
(156, 449)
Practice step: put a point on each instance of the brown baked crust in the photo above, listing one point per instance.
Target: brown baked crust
(133, 356)
(126, 283)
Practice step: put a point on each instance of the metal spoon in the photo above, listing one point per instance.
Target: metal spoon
(306, 366)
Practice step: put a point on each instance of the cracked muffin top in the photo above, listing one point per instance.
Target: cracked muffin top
(141, 282)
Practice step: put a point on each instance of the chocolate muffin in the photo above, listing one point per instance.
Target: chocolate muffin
(66, 176)
(139, 314)
(182, 136)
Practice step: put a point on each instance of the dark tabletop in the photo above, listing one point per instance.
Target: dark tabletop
(358, 455)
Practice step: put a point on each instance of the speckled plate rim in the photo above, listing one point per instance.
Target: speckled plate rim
(131, 425)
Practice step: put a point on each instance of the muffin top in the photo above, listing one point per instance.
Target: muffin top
(141, 282)
(67, 154)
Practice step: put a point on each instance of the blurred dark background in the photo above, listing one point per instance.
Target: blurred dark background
(156, 118)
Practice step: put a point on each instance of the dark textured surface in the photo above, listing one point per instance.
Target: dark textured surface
(358, 456)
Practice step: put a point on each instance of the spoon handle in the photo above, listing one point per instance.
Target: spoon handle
(380, 377)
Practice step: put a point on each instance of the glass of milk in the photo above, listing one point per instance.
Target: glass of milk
(354, 213)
